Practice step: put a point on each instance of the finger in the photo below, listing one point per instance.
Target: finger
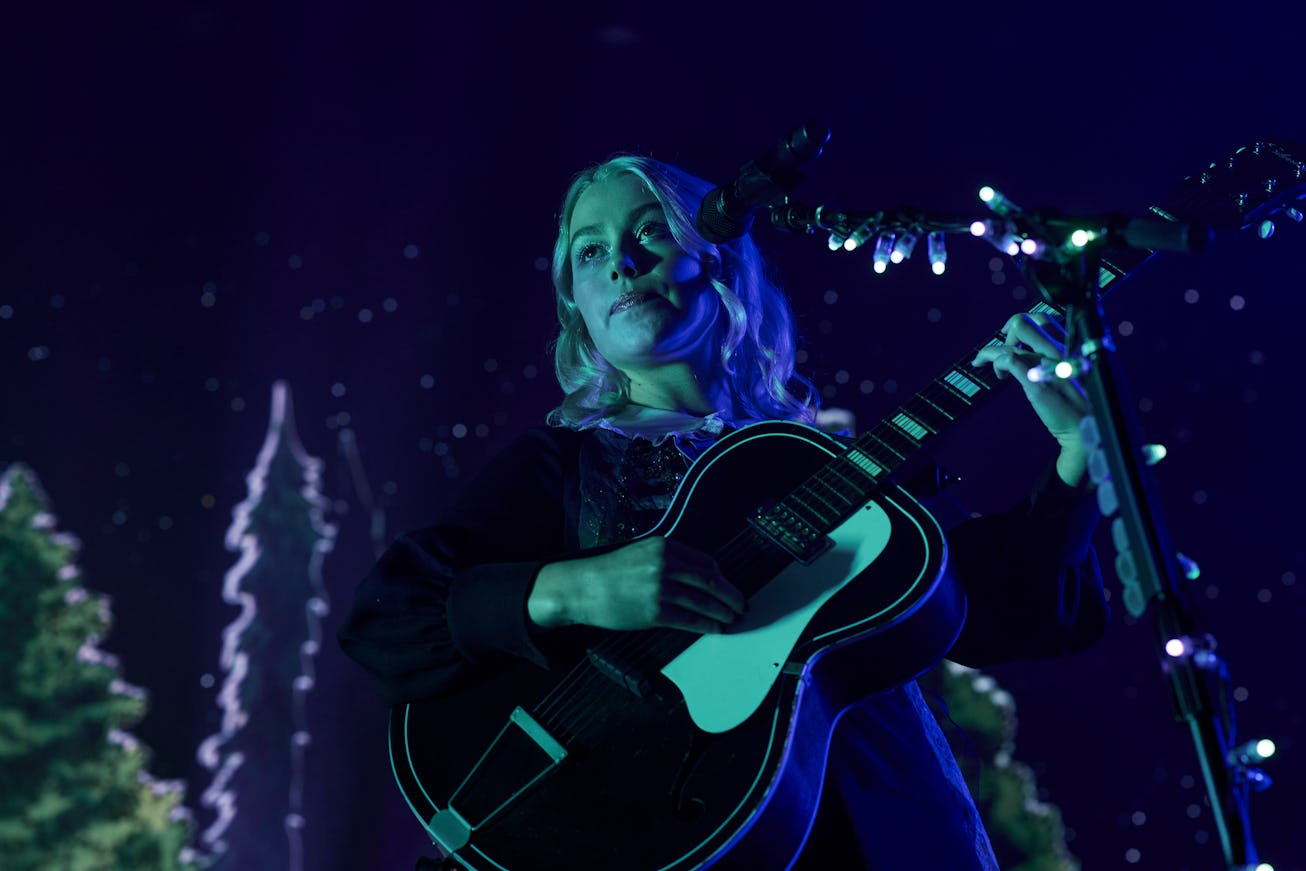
(1007, 360)
(1051, 325)
(676, 617)
(716, 596)
(688, 555)
(703, 572)
(1024, 330)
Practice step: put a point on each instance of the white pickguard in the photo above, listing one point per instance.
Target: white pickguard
(724, 678)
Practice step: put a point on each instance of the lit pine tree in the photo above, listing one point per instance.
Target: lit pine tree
(74, 791)
(258, 757)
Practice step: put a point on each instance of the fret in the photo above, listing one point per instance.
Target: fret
(893, 440)
(863, 462)
(916, 430)
(848, 488)
(943, 396)
(956, 394)
(797, 506)
(962, 384)
(985, 377)
(843, 502)
(926, 401)
(814, 511)
(857, 479)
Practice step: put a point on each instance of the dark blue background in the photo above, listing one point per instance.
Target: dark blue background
(275, 155)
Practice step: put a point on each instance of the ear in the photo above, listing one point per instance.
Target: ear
(712, 263)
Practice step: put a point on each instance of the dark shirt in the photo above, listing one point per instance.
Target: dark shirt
(453, 594)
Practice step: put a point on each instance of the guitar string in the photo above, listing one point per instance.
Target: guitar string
(570, 721)
(568, 688)
(575, 701)
(618, 645)
(583, 671)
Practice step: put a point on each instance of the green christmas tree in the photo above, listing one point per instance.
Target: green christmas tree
(74, 791)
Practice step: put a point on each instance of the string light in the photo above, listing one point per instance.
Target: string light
(903, 247)
(883, 248)
(937, 253)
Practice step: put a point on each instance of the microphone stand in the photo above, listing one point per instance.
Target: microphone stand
(1067, 268)
(1149, 568)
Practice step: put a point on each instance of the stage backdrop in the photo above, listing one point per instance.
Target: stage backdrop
(205, 201)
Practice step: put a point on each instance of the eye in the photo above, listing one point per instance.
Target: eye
(589, 252)
(652, 230)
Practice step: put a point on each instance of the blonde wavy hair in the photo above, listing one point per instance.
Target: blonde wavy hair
(757, 348)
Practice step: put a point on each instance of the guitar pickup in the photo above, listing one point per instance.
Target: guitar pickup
(787, 530)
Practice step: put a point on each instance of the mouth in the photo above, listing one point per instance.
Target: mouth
(630, 299)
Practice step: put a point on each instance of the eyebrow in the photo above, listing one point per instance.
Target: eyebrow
(635, 214)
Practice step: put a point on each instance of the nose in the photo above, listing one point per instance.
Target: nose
(623, 265)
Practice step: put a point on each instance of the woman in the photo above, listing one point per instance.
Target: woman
(666, 343)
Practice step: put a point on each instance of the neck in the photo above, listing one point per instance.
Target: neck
(680, 386)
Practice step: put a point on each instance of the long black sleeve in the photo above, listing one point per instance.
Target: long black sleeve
(1033, 585)
(452, 597)
(454, 593)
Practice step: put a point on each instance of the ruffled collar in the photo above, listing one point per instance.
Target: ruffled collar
(659, 424)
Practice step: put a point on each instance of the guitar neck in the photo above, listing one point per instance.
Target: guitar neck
(880, 453)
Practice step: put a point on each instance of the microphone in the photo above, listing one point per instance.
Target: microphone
(727, 212)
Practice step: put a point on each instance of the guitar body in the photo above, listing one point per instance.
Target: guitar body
(668, 750)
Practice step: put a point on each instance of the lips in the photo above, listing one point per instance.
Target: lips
(628, 299)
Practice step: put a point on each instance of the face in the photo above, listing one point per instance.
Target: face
(645, 301)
